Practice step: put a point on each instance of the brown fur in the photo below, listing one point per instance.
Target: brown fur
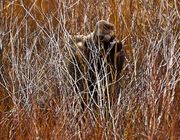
(86, 54)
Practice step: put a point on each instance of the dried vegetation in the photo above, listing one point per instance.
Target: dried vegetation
(36, 102)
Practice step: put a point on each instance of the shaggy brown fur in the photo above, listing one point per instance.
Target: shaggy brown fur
(96, 55)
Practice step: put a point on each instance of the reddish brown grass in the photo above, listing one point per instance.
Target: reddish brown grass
(36, 103)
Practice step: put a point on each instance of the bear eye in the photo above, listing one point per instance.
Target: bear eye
(106, 27)
(101, 37)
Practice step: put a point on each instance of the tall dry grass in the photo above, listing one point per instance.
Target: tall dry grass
(37, 103)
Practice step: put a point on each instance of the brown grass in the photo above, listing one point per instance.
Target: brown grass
(36, 103)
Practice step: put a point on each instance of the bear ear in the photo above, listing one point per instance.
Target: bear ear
(104, 24)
